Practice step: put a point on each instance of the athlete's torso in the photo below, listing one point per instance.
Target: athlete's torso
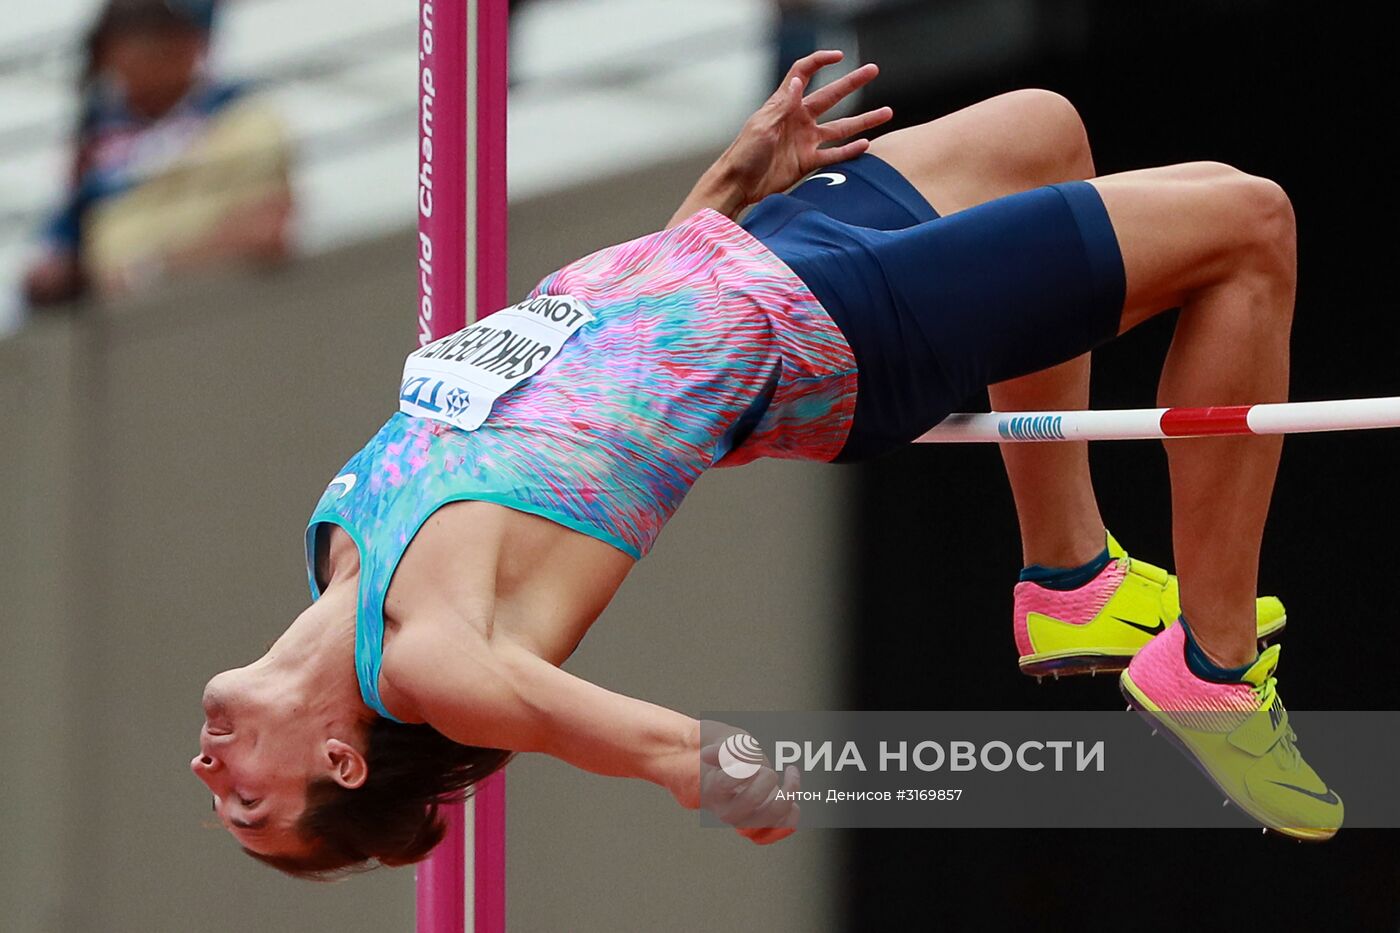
(702, 348)
(522, 578)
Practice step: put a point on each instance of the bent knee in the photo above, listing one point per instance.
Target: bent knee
(1058, 147)
(1264, 213)
(1045, 108)
(1257, 211)
(1273, 211)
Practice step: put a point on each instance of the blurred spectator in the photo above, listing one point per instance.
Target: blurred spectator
(172, 169)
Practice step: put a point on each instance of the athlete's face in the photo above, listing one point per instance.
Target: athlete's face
(257, 760)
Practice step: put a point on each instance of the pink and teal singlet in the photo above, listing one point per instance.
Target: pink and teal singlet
(699, 348)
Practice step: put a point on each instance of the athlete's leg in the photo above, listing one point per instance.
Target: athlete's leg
(1010, 143)
(1032, 280)
(1220, 245)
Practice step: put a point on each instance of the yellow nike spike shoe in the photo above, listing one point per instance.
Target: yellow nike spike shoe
(1237, 734)
(1102, 624)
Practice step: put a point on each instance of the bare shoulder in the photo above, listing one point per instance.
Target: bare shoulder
(452, 677)
(422, 638)
(421, 657)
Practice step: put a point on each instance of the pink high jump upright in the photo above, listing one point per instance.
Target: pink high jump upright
(462, 227)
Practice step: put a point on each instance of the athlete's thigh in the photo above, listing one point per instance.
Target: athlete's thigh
(1009, 143)
(1181, 228)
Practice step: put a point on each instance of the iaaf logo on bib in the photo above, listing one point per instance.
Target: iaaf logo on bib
(457, 401)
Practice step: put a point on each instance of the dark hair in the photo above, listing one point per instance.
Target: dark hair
(393, 818)
(125, 16)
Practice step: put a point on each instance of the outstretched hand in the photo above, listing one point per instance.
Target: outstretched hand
(783, 141)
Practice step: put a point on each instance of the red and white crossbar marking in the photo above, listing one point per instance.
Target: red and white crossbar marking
(1355, 414)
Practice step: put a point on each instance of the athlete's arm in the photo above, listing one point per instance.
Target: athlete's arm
(499, 695)
(782, 141)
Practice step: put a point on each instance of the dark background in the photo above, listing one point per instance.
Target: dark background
(1303, 94)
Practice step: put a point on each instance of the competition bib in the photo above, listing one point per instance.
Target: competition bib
(458, 378)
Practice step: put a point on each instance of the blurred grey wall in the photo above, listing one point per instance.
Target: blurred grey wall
(157, 465)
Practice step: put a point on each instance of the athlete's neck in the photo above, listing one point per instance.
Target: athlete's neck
(313, 662)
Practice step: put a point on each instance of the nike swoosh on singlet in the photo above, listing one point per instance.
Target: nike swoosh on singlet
(1149, 629)
(1329, 797)
(347, 480)
(836, 179)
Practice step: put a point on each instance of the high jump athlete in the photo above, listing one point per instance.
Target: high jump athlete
(457, 560)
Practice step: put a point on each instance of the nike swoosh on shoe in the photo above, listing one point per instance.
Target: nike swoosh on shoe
(1330, 797)
(1157, 629)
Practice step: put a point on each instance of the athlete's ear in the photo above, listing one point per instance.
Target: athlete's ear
(348, 767)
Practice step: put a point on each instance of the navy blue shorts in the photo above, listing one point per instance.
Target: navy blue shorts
(937, 309)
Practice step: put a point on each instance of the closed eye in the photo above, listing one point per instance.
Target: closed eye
(254, 824)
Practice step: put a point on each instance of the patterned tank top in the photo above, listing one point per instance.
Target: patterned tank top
(701, 349)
